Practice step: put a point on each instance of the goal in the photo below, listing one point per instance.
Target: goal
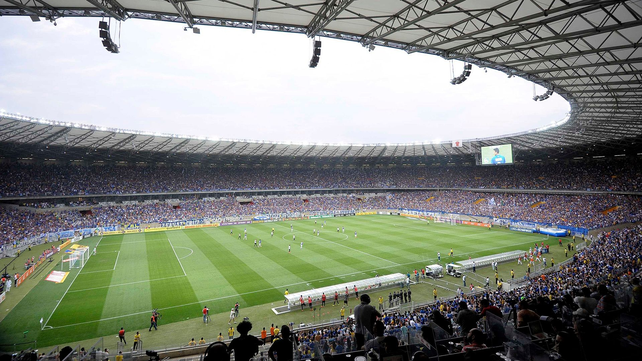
(76, 259)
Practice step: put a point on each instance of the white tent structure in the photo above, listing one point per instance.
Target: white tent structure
(486, 260)
(364, 285)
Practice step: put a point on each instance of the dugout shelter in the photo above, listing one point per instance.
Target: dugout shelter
(365, 285)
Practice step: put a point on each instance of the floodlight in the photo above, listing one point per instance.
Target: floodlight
(196, 30)
(34, 18)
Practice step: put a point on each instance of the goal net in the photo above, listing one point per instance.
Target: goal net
(76, 259)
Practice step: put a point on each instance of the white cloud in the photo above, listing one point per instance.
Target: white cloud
(232, 84)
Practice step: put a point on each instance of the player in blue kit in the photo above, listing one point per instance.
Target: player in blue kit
(498, 158)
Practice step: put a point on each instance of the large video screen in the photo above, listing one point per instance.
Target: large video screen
(497, 154)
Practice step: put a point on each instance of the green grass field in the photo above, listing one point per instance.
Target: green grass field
(180, 271)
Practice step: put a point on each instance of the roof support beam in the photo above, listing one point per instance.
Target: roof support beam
(31, 136)
(143, 144)
(9, 125)
(266, 153)
(196, 147)
(52, 138)
(328, 12)
(122, 143)
(400, 21)
(23, 5)
(184, 12)
(178, 146)
(588, 65)
(437, 39)
(345, 152)
(100, 142)
(482, 46)
(578, 76)
(160, 146)
(111, 8)
(523, 62)
(79, 139)
(255, 13)
(17, 131)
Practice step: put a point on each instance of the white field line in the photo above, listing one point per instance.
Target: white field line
(130, 242)
(190, 251)
(350, 248)
(179, 260)
(105, 270)
(67, 290)
(251, 292)
(125, 284)
(115, 263)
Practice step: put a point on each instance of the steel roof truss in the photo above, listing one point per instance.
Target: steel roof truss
(17, 131)
(575, 8)
(161, 145)
(79, 139)
(100, 142)
(111, 8)
(143, 144)
(35, 9)
(122, 143)
(55, 136)
(410, 15)
(184, 11)
(179, 146)
(27, 138)
(328, 12)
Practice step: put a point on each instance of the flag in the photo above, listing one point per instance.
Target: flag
(457, 143)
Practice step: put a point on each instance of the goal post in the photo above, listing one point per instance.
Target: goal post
(75, 259)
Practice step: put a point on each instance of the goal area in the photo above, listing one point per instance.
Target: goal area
(75, 259)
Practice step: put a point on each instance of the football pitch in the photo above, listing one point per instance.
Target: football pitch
(178, 272)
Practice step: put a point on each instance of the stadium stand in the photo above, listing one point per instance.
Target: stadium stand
(32, 180)
(575, 211)
(586, 51)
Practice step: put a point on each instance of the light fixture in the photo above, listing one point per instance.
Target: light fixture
(463, 76)
(316, 54)
(103, 32)
(544, 96)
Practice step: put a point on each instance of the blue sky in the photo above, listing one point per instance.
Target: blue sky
(230, 83)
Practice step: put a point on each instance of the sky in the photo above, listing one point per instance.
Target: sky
(230, 83)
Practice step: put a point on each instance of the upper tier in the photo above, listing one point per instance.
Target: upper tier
(18, 180)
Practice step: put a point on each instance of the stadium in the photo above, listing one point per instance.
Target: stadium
(139, 244)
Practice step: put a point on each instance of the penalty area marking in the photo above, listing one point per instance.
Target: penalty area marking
(238, 294)
(190, 252)
(179, 260)
(115, 263)
(125, 284)
(67, 290)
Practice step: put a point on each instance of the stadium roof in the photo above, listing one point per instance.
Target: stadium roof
(587, 51)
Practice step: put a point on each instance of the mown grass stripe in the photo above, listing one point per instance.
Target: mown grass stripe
(162, 263)
(237, 273)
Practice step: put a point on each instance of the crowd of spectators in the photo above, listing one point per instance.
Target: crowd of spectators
(577, 300)
(568, 210)
(20, 180)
